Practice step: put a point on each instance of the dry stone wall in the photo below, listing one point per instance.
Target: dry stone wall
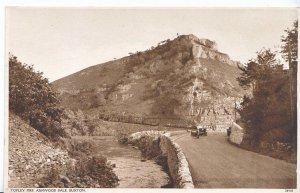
(160, 142)
(237, 134)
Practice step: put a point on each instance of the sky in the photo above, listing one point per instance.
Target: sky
(61, 41)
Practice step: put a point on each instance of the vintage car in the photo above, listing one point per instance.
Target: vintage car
(198, 131)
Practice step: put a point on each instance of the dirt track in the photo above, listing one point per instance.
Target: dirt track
(214, 163)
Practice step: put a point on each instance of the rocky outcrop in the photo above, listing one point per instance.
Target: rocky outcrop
(237, 134)
(200, 51)
(204, 42)
(159, 143)
(205, 48)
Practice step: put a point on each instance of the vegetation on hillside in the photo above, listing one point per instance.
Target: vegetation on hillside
(32, 98)
(269, 113)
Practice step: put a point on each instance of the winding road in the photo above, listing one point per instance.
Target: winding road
(215, 163)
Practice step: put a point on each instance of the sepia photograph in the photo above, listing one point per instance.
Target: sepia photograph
(153, 98)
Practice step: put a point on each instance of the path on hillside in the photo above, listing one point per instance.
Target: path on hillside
(214, 163)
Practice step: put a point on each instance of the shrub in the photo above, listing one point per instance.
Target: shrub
(32, 98)
(82, 147)
(89, 171)
(275, 135)
(93, 171)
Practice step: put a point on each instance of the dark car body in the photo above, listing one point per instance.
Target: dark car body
(202, 131)
(198, 131)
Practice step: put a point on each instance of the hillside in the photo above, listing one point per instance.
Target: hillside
(184, 78)
(31, 155)
(37, 162)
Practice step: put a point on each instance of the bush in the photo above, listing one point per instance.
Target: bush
(93, 171)
(76, 147)
(275, 135)
(89, 171)
(32, 98)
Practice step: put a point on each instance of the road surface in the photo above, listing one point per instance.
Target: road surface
(214, 163)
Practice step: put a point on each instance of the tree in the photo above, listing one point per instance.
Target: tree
(289, 50)
(268, 106)
(32, 98)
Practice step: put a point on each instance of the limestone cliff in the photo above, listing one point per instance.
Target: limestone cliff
(186, 78)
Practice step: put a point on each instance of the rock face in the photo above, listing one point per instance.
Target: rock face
(186, 78)
(204, 48)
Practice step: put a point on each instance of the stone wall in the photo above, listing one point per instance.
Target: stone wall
(237, 134)
(153, 121)
(158, 142)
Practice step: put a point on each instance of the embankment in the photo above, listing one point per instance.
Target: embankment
(267, 145)
(157, 144)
